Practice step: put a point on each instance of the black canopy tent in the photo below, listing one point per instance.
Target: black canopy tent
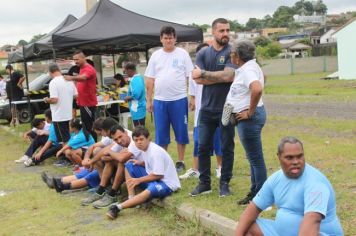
(109, 28)
(41, 49)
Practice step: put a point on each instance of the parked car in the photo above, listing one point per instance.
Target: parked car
(27, 112)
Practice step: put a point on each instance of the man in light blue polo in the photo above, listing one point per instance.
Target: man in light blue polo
(304, 198)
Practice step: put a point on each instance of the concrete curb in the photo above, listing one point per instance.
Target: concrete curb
(208, 219)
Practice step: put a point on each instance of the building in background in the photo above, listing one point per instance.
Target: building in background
(346, 38)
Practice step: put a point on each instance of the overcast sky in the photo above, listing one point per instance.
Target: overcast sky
(22, 19)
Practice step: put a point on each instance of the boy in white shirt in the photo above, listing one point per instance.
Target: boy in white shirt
(156, 173)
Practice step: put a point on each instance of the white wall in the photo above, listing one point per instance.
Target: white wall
(328, 37)
(346, 40)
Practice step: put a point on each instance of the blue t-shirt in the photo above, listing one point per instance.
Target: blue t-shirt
(214, 96)
(311, 192)
(52, 135)
(78, 140)
(137, 91)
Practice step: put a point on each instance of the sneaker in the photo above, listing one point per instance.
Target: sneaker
(58, 185)
(224, 189)
(29, 162)
(47, 179)
(180, 166)
(113, 212)
(227, 110)
(190, 173)
(92, 198)
(218, 172)
(63, 163)
(22, 159)
(200, 190)
(247, 199)
(105, 201)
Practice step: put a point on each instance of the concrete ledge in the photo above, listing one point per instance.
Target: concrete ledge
(208, 219)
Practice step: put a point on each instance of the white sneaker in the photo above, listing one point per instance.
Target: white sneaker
(22, 159)
(227, 110)
(218, 172)
(28, 162)
(190, 173)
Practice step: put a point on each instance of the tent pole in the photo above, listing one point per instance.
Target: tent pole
(27, 83)
(146, 55)
(54, 55)
(114, 64)
(25, 66)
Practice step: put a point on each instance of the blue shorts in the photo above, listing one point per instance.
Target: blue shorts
(216, 145)
(92, 177)
(171, 112)
(158, 189)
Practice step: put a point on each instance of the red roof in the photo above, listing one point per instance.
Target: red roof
(3, 55)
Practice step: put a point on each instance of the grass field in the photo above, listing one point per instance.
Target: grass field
(30, 208)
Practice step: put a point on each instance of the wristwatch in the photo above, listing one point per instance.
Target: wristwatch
(202, 74)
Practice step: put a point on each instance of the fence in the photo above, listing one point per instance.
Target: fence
(299, 65)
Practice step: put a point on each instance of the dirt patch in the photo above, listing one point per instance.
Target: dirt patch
(277, 106)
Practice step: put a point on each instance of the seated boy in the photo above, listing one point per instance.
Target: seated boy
(86, 176)
(156, 174)
(114, 160)
(48, 149)
(38, 135)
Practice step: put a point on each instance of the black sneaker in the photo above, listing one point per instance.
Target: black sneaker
(64, 163)
(247, 199)
(47, 179)
(180, 166)
(58, 185)
(200, 189)
(224, 189)
(113, 212)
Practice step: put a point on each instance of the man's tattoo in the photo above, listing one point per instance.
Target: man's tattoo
(226, 75)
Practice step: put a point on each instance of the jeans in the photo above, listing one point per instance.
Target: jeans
(37, 142)
(249, 132)
(207, 124)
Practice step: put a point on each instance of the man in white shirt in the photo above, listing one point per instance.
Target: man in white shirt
(167, 73)
(61, 93)
(155, 173)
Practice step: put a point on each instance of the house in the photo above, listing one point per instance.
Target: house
(328, 36)
(346, 38)
(268, 32)
(294, 49)
(323, 35)
(3, 60)
(285, 39)
(247, 35)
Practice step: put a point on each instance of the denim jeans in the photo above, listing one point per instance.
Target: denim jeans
(207, 124)
(249, 132)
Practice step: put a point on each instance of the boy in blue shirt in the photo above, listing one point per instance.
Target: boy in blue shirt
(304, 198)
(136, 95)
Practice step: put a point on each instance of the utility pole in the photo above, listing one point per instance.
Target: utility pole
(97, 58)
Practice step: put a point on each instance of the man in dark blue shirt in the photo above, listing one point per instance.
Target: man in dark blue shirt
(215, 58)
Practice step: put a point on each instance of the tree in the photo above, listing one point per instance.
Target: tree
(22, 43)
(303, 7)
(36, 37)
(253, 23)
(320, 8)
(236, 26)
(204, 27)
(261, 41)
(283, 16)
(273, 50)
